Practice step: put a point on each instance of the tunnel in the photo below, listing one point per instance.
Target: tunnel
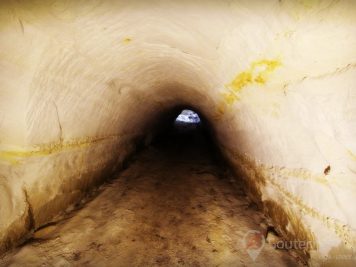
(177, 133)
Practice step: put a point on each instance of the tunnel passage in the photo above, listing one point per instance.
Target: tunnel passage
(174, 205)
(83, 85)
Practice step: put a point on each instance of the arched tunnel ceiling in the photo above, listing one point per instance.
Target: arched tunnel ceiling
(276, 79)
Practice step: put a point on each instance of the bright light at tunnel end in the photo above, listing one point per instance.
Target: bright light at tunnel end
(188, 116)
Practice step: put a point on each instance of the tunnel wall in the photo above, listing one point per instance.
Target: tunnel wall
(81, 83)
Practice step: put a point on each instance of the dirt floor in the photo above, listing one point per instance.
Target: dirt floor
(173, 206)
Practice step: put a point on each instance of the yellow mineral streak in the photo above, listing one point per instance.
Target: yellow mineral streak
(257, 73)
(308, 4)
(126, 40)
(14, 156)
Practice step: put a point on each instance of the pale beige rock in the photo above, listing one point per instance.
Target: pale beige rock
(82, 82)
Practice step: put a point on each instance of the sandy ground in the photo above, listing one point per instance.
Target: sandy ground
(173, 206)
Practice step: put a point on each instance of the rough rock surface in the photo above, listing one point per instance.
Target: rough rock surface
(82, 83)
(174, 206)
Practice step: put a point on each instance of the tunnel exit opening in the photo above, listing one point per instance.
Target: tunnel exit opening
(188, 116)
(187, 120)
(183, 124)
